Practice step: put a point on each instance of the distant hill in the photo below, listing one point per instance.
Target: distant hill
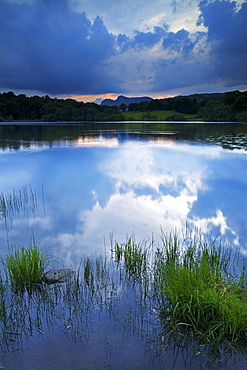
(205, 96)
(124, 99)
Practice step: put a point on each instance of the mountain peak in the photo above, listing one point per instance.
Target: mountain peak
(124, 99)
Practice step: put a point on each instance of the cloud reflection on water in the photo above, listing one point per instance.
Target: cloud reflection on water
(153, 189)
(101, 186)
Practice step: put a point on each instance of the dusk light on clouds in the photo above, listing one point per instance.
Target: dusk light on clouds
(103, 48)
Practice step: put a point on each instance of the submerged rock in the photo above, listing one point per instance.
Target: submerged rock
(58, 275)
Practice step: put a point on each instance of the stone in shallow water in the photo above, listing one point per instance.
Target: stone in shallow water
(58, 275)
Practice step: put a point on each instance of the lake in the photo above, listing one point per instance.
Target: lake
(83, 187)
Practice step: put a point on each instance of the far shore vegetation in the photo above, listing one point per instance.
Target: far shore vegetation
(160, 115)
(225, 107)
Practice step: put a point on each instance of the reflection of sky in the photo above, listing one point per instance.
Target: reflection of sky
(92, 190)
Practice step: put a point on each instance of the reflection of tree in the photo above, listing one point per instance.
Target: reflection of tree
(24, 136)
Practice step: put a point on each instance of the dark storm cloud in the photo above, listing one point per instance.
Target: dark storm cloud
(176, 73)
(148, 39)
(45, 46)
(179, 41)
(141, 40)
(227, 35)
(217, 57)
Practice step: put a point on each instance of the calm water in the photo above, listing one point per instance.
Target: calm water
(82, 185)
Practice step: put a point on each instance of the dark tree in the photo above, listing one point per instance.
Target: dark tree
(123, 107)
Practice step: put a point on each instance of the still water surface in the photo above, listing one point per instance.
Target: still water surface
(87, 183)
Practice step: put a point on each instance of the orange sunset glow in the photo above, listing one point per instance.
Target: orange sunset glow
(91, 98)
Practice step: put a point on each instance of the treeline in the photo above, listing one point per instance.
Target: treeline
(231, 107)
(36, 108)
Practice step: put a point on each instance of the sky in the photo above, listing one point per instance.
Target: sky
(92, 49)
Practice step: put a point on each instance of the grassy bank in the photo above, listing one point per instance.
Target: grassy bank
(157, 115)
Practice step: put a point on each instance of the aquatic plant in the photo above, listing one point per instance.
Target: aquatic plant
(196, 290)
(134, 256)
(19, 201)
(25, 266)
(88, 272)
(193, 282)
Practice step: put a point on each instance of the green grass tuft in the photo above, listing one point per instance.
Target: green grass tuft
(25, 266)
(134, 256)
(197, 291)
